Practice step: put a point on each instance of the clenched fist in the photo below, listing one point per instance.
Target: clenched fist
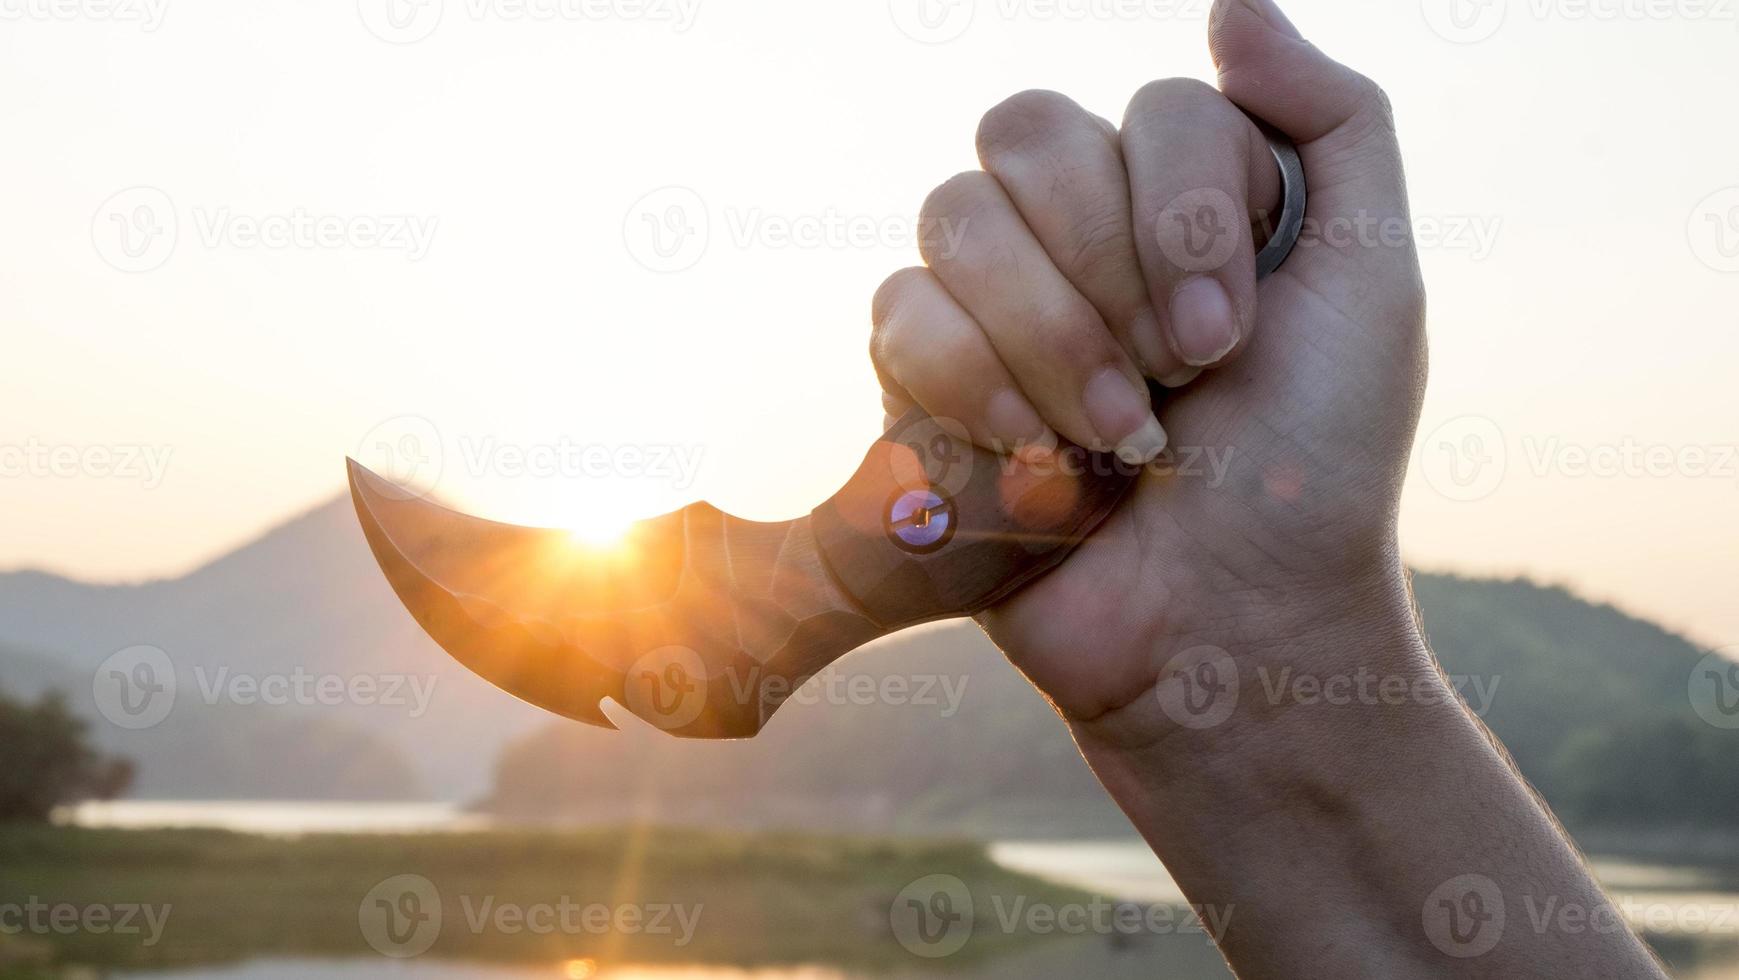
(1088, 256)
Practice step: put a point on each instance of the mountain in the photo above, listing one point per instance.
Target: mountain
(1592, 703)
(1615, 720)
(251, 639)
(928, 730)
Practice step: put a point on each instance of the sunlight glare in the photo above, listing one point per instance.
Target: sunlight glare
(599, 529)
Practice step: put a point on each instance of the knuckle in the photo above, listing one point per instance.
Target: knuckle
(884, 350)
(1021, 120)
(1385, 105)
(1173, 94)
(959, 196)
(1371, 102)
(892, 292)
(1373, 95)
(1190, 111)
(1067, 327)
(929, 363)
(1369, 118)
(953, 204)
(1102, 246)
(952, 355)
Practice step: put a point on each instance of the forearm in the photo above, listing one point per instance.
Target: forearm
(1340, 817)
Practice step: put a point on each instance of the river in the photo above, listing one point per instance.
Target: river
(1692, 918)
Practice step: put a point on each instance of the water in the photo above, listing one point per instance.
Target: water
(1691, 917)
(297, 969)
(1073, 957)
(274, 816)
(1125, 869)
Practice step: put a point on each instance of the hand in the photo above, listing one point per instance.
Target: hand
(1088, 256)
(1084, 260)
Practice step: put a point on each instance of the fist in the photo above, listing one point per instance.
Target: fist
(1086, 257)
(1080, 259)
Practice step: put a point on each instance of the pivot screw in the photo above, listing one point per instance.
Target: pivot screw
(920, 521)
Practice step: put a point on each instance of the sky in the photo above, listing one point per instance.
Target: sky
(583, 261)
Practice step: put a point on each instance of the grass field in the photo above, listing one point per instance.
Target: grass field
(726, 898)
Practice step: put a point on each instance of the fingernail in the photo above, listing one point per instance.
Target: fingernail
(1123, 417)
(1149, 343)
(1016, 424)
(1203, 326)
(1181, 377)
(1270, 11)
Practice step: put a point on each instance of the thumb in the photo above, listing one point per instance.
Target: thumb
(1341, 122)
(1339, 118)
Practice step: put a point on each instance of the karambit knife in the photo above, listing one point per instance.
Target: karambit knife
(702, 623)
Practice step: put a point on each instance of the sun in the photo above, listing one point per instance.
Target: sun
(599, 529)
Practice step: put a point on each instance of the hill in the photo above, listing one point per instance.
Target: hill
(301, 606)
(1592, 702)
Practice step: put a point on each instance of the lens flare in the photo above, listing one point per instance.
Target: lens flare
(599, 530)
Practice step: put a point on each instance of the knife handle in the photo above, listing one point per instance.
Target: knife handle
(931, 526)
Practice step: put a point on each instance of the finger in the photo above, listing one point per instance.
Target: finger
(1063, 169)
(1198, 170)
(1052, 340)
(1345, 133)
(929, 351)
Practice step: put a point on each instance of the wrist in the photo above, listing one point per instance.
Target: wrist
(1347, 775)
(1277, 690)
(1341, 733)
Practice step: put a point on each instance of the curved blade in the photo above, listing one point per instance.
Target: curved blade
(698, 622)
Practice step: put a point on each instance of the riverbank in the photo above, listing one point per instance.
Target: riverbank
(110, 898)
